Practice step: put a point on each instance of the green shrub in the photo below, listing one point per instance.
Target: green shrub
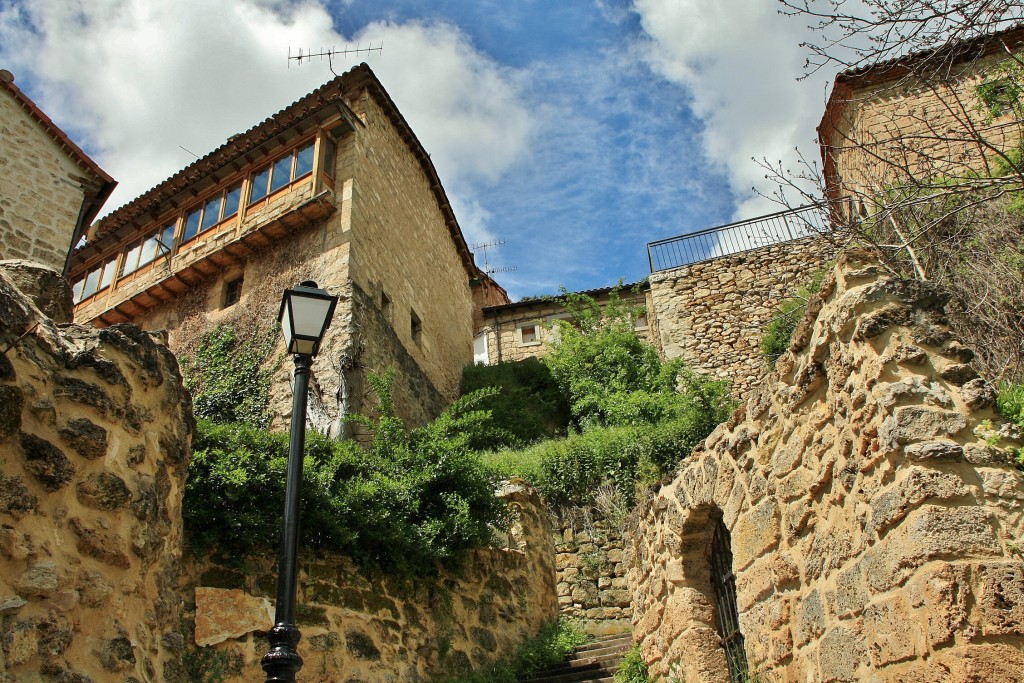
(1010, 404)
(551, 645)
(409, 501)
(777, 334)
(612, 376)
(228, 377)
(570, 471)
(632, 668)
(528, 407)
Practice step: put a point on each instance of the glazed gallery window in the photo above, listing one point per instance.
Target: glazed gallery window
(214, 210)
(144, 251)
(96, 280)
(286, 169)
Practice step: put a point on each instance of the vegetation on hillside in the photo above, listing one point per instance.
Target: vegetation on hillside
(410, 500)
(632, 416)
(777, 334)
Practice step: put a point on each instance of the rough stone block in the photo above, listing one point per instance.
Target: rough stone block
(756, 532)
(225, 614)
(1000, 598)
(893, 634)
(841, 653)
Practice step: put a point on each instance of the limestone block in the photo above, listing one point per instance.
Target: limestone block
(1000, 598)
(39, 580)
(841, 653)
(941, 594)
(755, 532)
(893, 634)
(224, 614)
(914, 486)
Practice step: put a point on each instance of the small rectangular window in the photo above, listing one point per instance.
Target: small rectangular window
(415, 327)
(528, 334)
(211, 212)
(148, 250)
(231, 198)
(108, 272)
(166, 245)
(282, 173)
(641, 322)
(328, 158)
(260, 182)
(233, 292)
(131, 260)
(191, 225)
(76, 290)
(91, 281)
(303, 161)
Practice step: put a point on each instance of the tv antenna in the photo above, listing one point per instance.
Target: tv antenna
(488, 268)
(308, 55)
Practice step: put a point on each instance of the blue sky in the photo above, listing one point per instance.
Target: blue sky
(574, 131)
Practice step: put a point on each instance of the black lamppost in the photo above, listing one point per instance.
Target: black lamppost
(305, 314)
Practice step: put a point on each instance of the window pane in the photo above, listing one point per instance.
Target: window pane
(231, 201)
(76, 291)
(329, 158)
(211, 213)
(259, 185)
(282, 173)
(304, 161)
(148, 250)
(191, 226)
(91, 280)
(131, 261)
(108, 273)
(167, 240)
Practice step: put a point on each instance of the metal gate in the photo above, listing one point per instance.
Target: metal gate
(727, 616)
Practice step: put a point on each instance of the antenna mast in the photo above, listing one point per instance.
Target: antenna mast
(488, 268)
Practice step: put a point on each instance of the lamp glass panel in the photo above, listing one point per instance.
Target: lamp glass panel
(286, 325)
(309, 315)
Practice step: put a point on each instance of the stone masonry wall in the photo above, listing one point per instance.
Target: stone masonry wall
(901, 129)
(591, 574)
(94, 441)
(713, 314)
(874, 513)
(39, 199)
(402, 249)
(357, 627)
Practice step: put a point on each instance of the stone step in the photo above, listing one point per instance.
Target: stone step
(593, 662)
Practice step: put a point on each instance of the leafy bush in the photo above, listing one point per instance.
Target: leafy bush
(551, 645)
(410, 500)
(632, 668)
(528, 407)
(612, 376)
(228, 377)
(778, 332)
(571, 471)
(1010, 404)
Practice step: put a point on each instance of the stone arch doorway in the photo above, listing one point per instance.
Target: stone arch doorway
(723, 586)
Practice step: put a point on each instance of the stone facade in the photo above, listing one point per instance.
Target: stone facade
(874, 515)
(366, 219)
(898, 123)
(591, 574)
(517, 331)
(378, 629)
(49, 188)
(95, 434)
(713, 313)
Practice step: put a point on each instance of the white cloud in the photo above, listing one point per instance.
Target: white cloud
(739, 60)
(132, 80)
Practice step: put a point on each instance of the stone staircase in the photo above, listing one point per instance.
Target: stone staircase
(595, 662)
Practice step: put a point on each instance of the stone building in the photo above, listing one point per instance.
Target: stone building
(515, 331)
(334, 188)
(51, 189)
(930, 116)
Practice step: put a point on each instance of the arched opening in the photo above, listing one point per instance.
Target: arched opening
(727, 618)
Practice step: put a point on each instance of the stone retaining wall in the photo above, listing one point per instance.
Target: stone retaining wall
(875, 514)
(95, 432)
(359, 627)
(713, 313)
(591, 574)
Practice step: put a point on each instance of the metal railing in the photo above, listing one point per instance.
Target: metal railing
(736, 238)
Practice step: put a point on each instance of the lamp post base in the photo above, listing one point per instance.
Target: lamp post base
(282, 662)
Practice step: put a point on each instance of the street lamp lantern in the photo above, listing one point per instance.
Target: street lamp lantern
(306, 312)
